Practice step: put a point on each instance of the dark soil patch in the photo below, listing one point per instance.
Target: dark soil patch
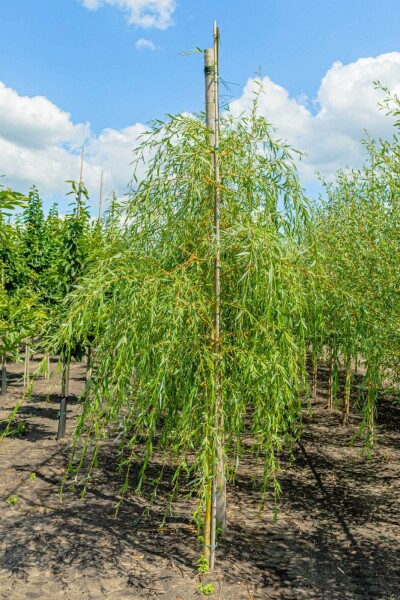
(337, 537)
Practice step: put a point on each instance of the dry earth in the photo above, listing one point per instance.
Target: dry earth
(337, 537)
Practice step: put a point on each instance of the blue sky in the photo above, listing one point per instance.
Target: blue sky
(86, 64)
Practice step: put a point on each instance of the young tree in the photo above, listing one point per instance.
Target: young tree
(149, 301)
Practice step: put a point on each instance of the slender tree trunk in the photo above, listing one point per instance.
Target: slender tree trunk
(371, 397)
(89, 365)
(346, 398)
(207, 525)
(330, 383)
(27, 364)
(47, 371)
(315, 375)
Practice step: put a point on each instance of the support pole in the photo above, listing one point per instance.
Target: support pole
(209, 68)
(62, 421)
(218, 503)
(3, 376)
(221, 479)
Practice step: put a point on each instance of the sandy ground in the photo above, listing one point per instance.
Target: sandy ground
(337, 537)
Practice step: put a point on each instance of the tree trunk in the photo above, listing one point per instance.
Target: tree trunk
(315, 376)
(346, 398)
(330, 383)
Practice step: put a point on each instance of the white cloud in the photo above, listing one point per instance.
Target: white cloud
(143, 13)
(345, 106)
(40, 143)
(36, 122)
(112, 151)
(142, 44)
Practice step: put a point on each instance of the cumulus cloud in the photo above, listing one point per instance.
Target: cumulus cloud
(36, 122)
(329, 128)
(143, 13)
(144, 44)
(112, 151)
(40, 143)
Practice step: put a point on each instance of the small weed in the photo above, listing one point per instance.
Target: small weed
(32, 476)
(206, 590)
(17, 429)
(12, 500)
(202, 564)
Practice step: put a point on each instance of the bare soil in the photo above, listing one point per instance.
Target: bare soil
(337, 535)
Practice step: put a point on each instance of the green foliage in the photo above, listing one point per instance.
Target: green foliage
(136, 291)
(9, 200)
(354, 310)
(202, 564)
(147, 299)
(12, 500)
(74, 239)
(34, 233)
(15, 429)
(206, 589)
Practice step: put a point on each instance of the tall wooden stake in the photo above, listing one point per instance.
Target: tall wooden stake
(209, 66)
(62, 421)
(218, 504)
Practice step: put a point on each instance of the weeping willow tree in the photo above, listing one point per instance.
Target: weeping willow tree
(148, 303)
(357, 275)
